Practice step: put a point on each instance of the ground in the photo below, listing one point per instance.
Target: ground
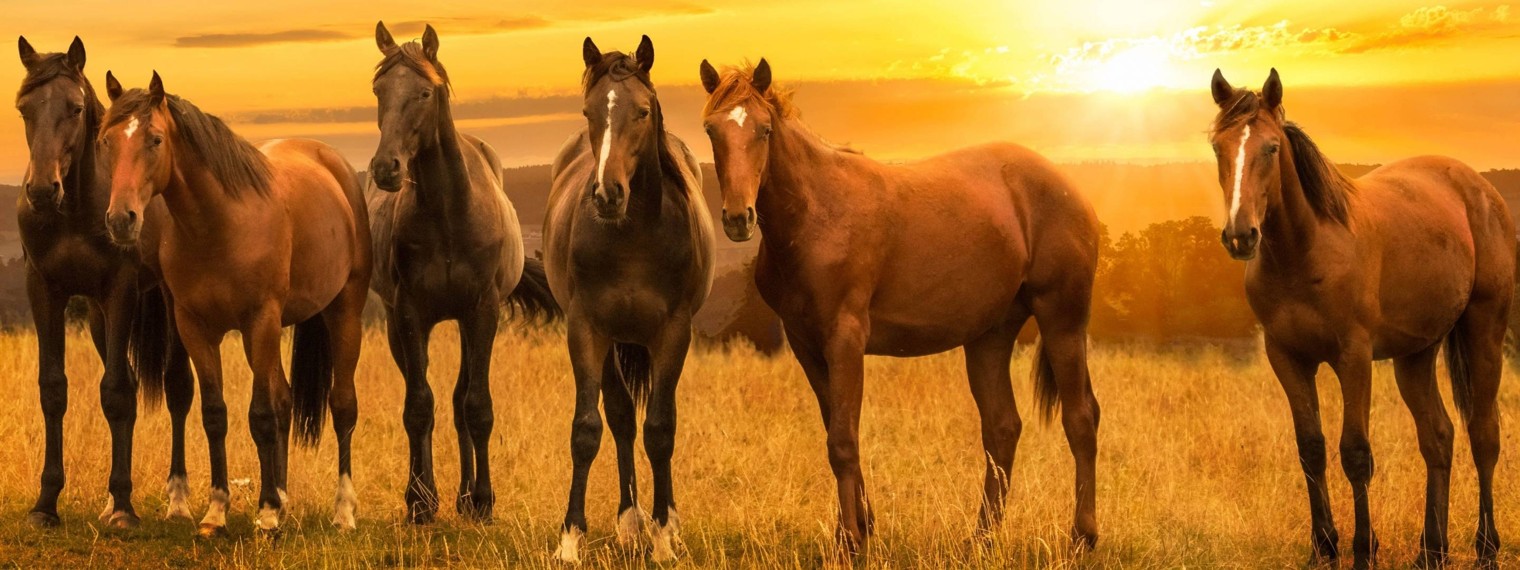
(1196, 468)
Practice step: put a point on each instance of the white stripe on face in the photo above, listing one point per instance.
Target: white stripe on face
(1240, 169)
(738, 115)
(132, 127)
(601, 167)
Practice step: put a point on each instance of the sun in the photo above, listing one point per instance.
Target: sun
(1133, 69)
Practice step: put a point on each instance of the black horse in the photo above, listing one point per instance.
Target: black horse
(629, 250)
(447, 246)
(61, 215)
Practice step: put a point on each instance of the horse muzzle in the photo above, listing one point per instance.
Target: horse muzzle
(1241, 245)
(386, 173)
(610, 200)
(739, 226)
(124, 226)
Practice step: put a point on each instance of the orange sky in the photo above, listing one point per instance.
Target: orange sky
(1080, 80)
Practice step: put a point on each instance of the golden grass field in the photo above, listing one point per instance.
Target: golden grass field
(1197, 469)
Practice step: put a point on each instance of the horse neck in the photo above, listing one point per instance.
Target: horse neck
(198, 202)
(1291, 224)
(798, 161)
(646, 194)
(83, 197)
(439, 163)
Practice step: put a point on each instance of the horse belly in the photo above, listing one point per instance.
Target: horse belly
(321, 262)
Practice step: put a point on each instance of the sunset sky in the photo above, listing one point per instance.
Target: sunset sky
(1080, 80)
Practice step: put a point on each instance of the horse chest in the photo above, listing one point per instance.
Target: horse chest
(72, 262)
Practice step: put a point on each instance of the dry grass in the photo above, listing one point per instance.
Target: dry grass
(1197, 469)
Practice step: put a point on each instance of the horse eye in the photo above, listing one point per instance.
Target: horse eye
(643, 113)
(158, 140)
(426, 94)
(765, 131)
(1272, 148)
(708, 128)
(79, 110)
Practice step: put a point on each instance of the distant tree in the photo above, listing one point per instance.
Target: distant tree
(1171, 280)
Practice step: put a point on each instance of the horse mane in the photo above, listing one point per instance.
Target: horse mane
(1325, 187)
(619, 66)
(232, 160)
(411, 55)
(734, 88)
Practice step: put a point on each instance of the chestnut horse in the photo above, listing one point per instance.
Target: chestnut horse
(447, 246)
(862, 258)
(1387, 266)
(67, 254)
(629, 249)
(252, 240)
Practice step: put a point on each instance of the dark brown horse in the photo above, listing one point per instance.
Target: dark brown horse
(629, 250)
(251, 240)
(447, 246)
(1344, 272)
(862, 258)
(67, 255)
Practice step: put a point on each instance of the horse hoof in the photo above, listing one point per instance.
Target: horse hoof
(421, 516)
(630, 527)
(569, 546)
(40, 519)
(123, 520)
(268, 535)
(667, 538)
(210, 531)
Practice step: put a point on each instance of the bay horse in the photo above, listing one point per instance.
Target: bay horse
(1344, 272)
(447, 246)
(251, 240)
(629, 250)
(68, 254)
(958, 250)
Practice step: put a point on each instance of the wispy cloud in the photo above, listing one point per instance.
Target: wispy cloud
(1433, 24)
(260, 38)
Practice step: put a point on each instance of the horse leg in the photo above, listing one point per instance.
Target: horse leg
(623, 421)
(1416, 375)
(179, 393)
(269, 411)
(667, 359)
(118, 399)
(1354, 369)
(478, 338)
(53, 386)
(205, 350)
(408, 338)
(345, 334)
(816, 368)
(588, 354)
(1062, 318)
(1296, 375)
(845, 354)
(462, 428)
(987, 361)
(1482, 331)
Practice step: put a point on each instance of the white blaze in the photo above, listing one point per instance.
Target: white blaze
(601, 167)
(132, 127)
(738, 115)
(1240, 168)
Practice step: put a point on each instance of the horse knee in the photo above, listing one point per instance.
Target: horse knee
(54, 392)
(417, 413)
(844, 454)
(1311, 452)
(1000, 436)
(1437, 448)
(585, 437)
(1356, 460)
(659, 438)
(1081, 424)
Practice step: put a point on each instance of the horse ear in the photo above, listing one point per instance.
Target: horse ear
(1222, 89)
(113, 87)
(644, 55)
(156, 90)
(28, 55)
(590, 53)
(709, 77)
(76, 54)
(430, 43)
(383, 38)
(762, 78)
(1272, 90)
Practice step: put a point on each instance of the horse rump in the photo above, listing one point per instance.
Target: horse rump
(311, 378)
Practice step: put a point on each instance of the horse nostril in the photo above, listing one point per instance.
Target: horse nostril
(749, 214)
(131, 216)
(396, 163)
(1255, 235)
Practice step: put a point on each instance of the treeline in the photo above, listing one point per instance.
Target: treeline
(1170, 281)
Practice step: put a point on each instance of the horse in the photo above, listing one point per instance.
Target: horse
(629, 249)
(251, 240)
(958, 250)
(1344, 272)
(446, 246)
(67, 255)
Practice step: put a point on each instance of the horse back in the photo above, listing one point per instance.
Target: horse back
(321, 196)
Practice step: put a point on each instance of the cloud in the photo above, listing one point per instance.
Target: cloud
(1432, 24)
(470, 26)
(264, 38)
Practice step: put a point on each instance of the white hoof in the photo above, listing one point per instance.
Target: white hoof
(345, 505)
(216, 512)
(667, 539)
(569, 547)
(105, 514)
(268, 520)
(630, 526)
(178, 505)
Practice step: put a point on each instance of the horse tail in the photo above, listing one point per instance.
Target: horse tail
(532, 296)
(635, 368)
(311, 378)
(148, 345)
(1046, 393)
(1458, 367)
